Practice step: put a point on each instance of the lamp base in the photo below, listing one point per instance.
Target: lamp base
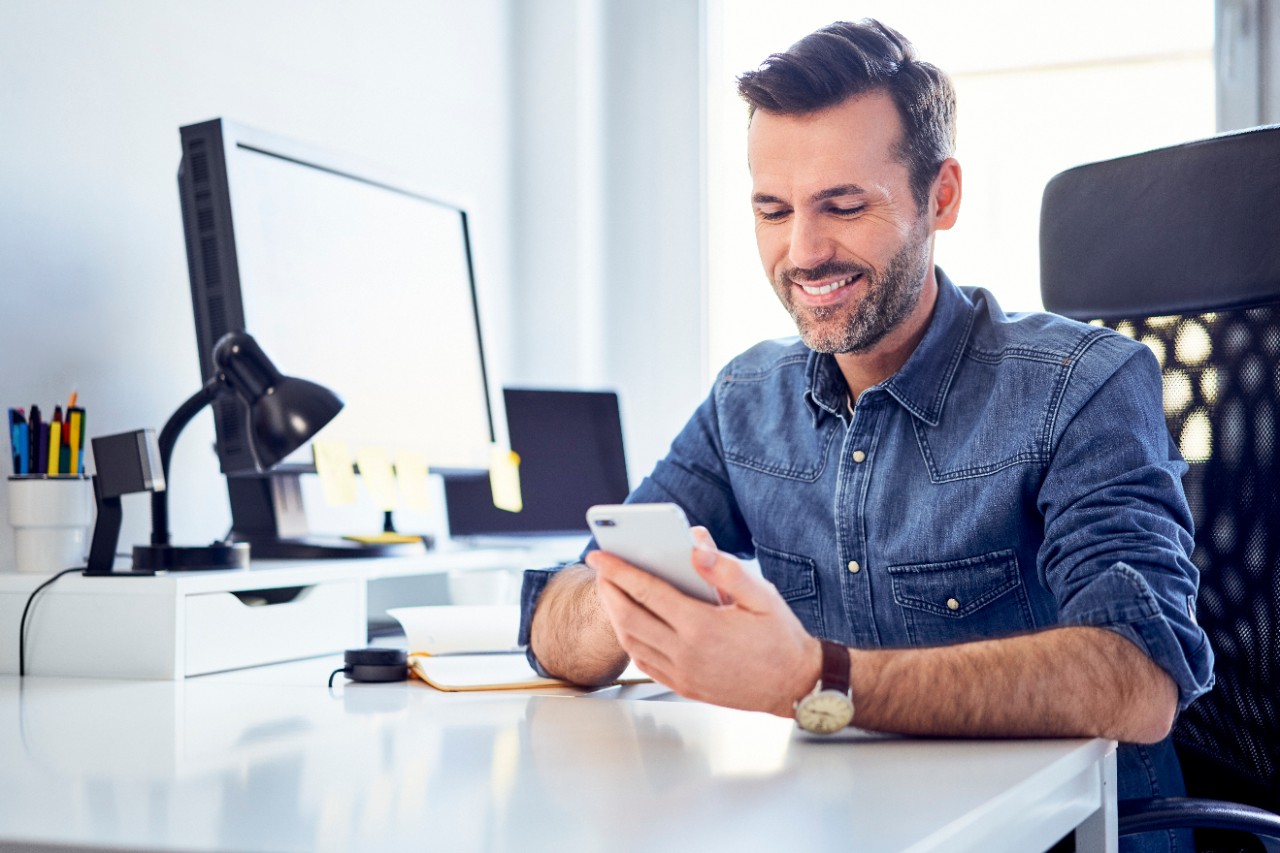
(169, 558)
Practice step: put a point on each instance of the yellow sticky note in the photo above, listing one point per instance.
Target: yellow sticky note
(375, 471)
(337, 477)
(411, 474)
(504, 479)
(384, 538)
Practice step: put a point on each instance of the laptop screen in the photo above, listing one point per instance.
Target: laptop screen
(571, 457)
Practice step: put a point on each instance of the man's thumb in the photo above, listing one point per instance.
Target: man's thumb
(728, 577)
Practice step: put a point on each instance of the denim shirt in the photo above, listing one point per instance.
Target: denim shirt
(1017, 473)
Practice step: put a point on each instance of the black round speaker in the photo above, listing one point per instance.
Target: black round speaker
(376, 664)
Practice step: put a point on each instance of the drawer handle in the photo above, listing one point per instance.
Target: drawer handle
(267, 597)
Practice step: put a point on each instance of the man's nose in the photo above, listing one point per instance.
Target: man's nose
(811, 244)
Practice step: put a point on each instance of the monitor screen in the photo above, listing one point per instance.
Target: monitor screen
(571, 457)
(349, 280)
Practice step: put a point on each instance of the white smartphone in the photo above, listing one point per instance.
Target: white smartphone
(653, 537)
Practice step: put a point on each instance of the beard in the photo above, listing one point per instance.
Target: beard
(888, 298)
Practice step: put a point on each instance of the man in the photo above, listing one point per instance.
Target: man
(970, 523)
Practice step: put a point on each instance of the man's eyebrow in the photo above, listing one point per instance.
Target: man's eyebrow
(822, 195)
(837, 192)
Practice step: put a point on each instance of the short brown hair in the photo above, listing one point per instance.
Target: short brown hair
(845, 60)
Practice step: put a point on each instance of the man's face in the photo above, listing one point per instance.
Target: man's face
(838, 230)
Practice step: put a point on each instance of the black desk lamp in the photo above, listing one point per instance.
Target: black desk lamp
(284, 413)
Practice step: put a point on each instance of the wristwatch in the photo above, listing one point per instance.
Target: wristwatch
(829, 707)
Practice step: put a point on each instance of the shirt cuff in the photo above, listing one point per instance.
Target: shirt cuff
(535, 581)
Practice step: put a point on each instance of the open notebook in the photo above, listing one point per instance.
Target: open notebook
(455, 648)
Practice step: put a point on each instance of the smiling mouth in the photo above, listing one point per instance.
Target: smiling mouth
(827, 288)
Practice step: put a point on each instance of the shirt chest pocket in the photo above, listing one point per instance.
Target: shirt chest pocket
(952, 602)
(996, 413)
(796, 578)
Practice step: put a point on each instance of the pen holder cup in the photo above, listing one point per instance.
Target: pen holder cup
(51, 517)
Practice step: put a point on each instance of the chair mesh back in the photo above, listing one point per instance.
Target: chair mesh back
(1222, 401)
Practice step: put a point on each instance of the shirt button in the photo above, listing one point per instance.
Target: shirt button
(952, 604)
(854, 567)
(859, 456)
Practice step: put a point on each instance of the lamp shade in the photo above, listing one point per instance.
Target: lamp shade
(287, 416)
(284, 411)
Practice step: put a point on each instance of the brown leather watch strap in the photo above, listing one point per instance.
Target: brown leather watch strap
(835, 667)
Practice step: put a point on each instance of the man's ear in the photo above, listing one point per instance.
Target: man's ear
(945, 198)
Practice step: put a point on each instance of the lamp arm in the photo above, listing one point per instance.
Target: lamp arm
(168, 438)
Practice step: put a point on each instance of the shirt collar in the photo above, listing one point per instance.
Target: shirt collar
(922, 383)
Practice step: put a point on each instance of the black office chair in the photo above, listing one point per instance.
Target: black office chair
(1180, 248)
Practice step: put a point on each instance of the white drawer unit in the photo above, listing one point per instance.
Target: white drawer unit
(182, 624)
(192, 623)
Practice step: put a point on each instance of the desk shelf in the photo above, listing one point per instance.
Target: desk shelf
(191, 623)
(181, 624)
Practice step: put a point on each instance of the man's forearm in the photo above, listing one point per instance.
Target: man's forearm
(1068, 682)
(571, 634)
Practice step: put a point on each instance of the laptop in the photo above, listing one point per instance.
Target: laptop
(571, 457)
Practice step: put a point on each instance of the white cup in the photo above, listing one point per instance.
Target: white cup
(51, 519)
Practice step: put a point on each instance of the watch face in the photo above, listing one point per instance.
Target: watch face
(824, 712)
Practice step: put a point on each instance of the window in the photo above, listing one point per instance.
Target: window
(1040, 88)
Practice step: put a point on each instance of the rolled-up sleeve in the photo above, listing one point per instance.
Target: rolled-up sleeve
(1118, 530)
(534, 582)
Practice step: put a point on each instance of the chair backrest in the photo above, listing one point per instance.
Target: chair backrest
(1180, 249)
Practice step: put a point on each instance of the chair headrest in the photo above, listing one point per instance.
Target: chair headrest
(1190, 228)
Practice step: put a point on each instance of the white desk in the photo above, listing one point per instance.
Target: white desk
(268, 759)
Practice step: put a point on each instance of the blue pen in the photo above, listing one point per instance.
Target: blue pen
(21, 438)
(21, 446)
(13, 436)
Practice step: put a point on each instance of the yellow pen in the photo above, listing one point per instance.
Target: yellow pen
(75, 423)
(55, 441)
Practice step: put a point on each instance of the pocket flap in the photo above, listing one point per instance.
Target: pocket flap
(956, 588)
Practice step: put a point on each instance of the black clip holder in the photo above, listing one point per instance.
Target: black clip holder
(127, 462)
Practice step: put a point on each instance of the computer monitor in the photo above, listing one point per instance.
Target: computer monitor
(345, 277)
(571, 457)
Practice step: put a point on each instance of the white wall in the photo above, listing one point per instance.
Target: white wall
(1248, 62)
(571, 130)
(609, 270)
(92, 267)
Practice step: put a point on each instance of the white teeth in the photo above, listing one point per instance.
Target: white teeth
(827, 288)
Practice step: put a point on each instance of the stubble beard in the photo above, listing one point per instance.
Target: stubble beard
(888, 298)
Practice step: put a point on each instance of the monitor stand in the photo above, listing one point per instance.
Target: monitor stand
(267, 512)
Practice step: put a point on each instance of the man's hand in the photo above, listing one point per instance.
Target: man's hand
(750, 653)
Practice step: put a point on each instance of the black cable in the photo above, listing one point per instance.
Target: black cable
(22, 625)
(335, 672)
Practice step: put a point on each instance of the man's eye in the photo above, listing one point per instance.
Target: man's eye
(848, 211)
(773, 215)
